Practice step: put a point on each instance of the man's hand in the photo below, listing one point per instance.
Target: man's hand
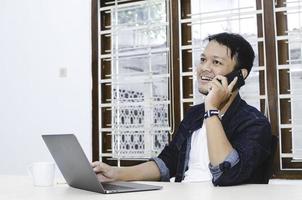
(105, 172)
(219, 92)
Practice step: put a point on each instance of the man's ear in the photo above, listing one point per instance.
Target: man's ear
(244, 72)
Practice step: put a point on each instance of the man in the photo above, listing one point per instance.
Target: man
(224, 139)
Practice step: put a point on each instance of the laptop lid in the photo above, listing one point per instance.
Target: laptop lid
(72, 162)
(76, 169)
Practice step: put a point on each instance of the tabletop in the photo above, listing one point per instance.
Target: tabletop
(21, 187)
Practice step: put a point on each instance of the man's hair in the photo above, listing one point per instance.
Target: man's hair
(239, 47)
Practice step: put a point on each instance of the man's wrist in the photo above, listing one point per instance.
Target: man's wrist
(118, 174)
(210, 113)
(210, 107)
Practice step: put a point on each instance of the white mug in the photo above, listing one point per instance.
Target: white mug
(42, 173)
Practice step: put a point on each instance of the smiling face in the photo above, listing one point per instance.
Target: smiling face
(215, 60)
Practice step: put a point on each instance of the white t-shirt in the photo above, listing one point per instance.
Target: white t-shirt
(199, 158)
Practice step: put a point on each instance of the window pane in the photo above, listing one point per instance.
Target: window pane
(140, 78)
(213, 16)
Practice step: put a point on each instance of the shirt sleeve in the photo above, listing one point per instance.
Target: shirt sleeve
(252, 143)
(163, 169)
(230, 161)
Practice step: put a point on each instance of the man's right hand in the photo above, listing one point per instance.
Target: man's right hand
(104, 172)
(147, 171)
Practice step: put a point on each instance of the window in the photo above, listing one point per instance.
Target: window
(145, 54)
(201, 18)
(135, 102)
(288, 23)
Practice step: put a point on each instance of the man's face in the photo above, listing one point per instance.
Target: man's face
(215, 60)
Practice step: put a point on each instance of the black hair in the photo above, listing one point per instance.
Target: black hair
(239, 47)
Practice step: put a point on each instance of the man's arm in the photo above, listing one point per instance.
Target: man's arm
(252, 144)
(246, 152)
(219, 98)
(219, 146)
(147, 171)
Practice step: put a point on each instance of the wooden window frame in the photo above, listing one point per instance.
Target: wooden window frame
(271, 71)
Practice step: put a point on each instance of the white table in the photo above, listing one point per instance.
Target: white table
(18, 187)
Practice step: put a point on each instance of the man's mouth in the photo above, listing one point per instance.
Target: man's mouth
(206, 78)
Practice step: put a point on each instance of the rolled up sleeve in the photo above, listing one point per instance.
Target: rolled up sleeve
(230, 161)
(253, 147)
(163, 169)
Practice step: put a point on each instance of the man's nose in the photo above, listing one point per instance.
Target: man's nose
(205, 66)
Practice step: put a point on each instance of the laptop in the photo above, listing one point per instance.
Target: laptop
(77, 171)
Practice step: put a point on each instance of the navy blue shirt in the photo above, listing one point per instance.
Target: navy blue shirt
(248, 131)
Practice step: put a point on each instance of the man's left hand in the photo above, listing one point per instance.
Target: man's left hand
(219, 92)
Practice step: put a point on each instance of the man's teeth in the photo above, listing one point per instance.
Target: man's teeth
(206, 78)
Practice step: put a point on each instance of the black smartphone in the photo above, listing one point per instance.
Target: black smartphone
(240, 81)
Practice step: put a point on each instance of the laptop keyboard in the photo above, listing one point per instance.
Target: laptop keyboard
(108, 186)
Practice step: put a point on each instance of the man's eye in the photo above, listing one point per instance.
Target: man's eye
(202, 60)
(216, 62)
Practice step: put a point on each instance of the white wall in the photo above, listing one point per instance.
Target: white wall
(37, 39)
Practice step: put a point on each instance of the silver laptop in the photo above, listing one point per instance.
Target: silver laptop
(77, 171)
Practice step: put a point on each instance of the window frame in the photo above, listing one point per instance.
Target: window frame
(269, 33)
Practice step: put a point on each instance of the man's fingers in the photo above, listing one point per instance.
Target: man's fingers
(98, 166)
(94, 164)
(103, 178)
(232, 84)
(222, 80)
(215, 84)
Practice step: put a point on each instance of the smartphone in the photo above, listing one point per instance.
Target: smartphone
(240, 81)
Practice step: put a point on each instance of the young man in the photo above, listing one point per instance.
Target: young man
(224, 139)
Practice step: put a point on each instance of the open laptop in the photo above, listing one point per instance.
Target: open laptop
(77, 171)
